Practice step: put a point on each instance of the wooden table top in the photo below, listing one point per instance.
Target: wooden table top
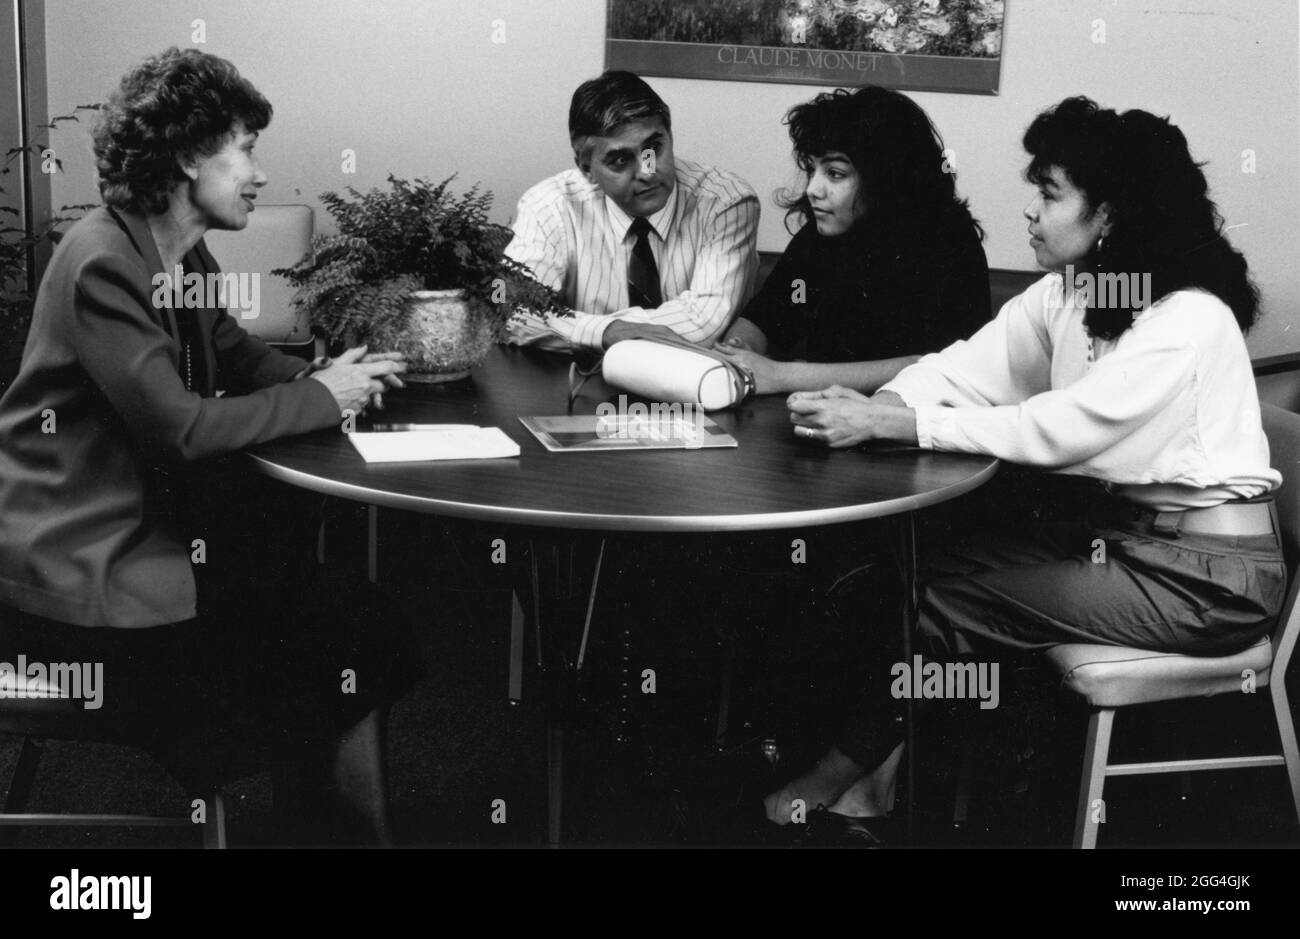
(773, 480)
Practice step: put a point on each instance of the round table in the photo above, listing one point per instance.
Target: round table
(772, 480)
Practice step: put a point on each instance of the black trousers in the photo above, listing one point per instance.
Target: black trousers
(1085, 566)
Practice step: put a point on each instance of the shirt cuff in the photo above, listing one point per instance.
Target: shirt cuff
(580, 331)
(589, 331)
(929, 422)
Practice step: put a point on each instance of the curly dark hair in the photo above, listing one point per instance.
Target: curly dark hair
(177, 105)
(897, 152)
(1163, 220)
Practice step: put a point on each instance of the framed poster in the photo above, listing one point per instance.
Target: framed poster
(926, 45)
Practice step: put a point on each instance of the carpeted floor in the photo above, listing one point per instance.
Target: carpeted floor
(469, 768)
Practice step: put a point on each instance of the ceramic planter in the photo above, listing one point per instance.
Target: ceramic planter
(448, 335)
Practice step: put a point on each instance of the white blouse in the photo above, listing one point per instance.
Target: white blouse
(1167, 413)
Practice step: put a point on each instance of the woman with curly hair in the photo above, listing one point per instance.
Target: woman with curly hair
(122, 540)
(1141, 399)
(887, 263)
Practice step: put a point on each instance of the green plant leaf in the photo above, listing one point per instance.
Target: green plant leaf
(416, 234)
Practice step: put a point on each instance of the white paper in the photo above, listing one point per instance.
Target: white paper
(475, 443)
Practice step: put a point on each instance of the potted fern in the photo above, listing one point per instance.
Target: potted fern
(418, 270)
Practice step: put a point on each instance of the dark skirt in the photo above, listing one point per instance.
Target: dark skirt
(233, 691)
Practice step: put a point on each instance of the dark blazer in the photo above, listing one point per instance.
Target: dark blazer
(82, 538)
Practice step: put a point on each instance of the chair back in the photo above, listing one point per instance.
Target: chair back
(1283, 431)
(276, 236)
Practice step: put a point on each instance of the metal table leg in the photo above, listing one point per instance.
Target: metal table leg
(516, 682)
(560, 672)
(908, 571)
(372, 543)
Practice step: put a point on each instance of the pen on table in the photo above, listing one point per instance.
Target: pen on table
(389, 428)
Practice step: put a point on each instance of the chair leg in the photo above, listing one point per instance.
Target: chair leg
(1286, 730)
(1095, 754)
(214, 829)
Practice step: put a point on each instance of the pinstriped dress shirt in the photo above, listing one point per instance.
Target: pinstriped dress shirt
(576, 240)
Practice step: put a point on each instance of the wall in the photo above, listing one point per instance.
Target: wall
(421, 90)
(11, 181)
(22, 96)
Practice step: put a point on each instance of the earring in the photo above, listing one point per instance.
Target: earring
(1101, 240)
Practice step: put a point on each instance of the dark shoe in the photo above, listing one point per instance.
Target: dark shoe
(867, 833)
(827, 829)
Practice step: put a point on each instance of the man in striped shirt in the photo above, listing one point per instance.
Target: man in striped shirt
(639, 244)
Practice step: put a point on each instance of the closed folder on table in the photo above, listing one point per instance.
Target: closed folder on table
(469, 443)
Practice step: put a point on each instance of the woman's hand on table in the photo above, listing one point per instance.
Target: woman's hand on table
(358, 378)
(842, 417)
(769, 375)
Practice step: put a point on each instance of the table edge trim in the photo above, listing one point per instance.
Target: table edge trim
(677, 523)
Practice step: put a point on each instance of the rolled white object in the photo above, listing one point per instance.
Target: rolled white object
(671, 374)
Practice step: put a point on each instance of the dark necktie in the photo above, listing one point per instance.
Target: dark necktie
(642, 273)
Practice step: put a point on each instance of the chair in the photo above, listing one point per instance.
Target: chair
(1277, 380)
(44, 715)
(1005, 284)
(1110, 677)
(276, 236)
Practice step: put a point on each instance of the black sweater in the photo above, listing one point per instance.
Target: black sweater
(862, 302)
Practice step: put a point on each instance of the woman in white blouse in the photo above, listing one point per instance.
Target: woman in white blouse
(1124, 369)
